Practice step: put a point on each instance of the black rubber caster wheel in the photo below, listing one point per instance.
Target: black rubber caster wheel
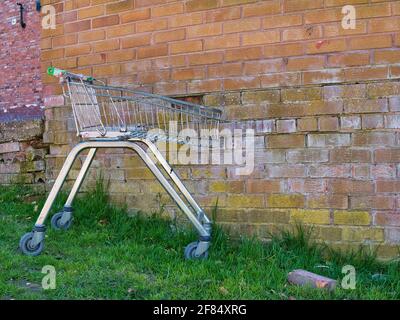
(190, 252)
(56, 222)
(27, 248)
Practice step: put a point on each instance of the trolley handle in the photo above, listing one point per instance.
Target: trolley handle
(59, 73)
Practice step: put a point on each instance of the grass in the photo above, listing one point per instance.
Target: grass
(109, 255)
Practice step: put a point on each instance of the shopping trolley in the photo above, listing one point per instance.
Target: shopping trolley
(115, 117)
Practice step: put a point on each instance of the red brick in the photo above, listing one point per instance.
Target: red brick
(120, 6)
(348, 60)
(305, 63)
(135, 15)
(366, 73)
(328, 124)
(285, 141)
(91, 36)
(88, 60)
(188, 74)
(284, 50)
(77, 50)
(387, 155)
(302, 33)
(327, 201)
(63, 41)
(282, 79)
(77, 26)
(199, 5)
(225, 70)
(198, 86)
(307, 124)
(330, 171)
(185, 20)
(387, 56)
(263, 9)
(90, 12)
(106, 70)
(366, 106)
(151, 25)
(148, 3)
(241, 83)
(107, 45)
(153, 51)
(388, 186)
(370, 42)
(205, 58)
(167, 36)
(301, 5)
(391, 218)
(372, 121)
(336, 30)
(282, 21)
(136, 41)
(346, 155)
(286, 171)
(263, 186)
(326, 46)
(263, 66)
(307, 185)
(262, 37)
(167, 10)
(286, 126)
(326, 76)
(223, 14)
(372, 202)
(105, 21)
(320, 16)
(378, 10)
(338, 186)
(209, 29)
(186, 46)
(225, 41)
(373, 139)
(121, 30)
(244, 54)
(121, 55)
(242, 25)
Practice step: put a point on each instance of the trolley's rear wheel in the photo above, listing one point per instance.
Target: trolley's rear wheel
(56, 222)
(25, 244)
(190, 252)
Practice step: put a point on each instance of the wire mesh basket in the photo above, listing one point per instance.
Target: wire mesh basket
(104, 111)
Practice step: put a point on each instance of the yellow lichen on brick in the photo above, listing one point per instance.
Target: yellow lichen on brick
(227, 186)
(363, 234)
(310, 216)
(329, 233)
(245, 201)
(354, 218)
(285, 200)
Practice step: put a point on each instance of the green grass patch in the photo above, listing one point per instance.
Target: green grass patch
(109, 255)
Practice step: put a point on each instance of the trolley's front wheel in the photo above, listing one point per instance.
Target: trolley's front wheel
(190, 252)
(57, 222)
(25, 244)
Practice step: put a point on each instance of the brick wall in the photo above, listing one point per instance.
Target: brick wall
(325, 103)
(20, 84)
(22, 153)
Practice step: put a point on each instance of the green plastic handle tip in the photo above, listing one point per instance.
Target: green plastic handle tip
(52, 71)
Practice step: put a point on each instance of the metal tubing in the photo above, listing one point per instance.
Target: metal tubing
(117, 144)
(81, 176)
(58, 183)
(174, 177)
